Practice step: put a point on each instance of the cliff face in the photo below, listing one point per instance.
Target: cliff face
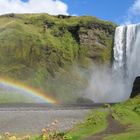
(98, 39)
(39, 48)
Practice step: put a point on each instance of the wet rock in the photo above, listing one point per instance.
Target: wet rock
(84, 101)
(136, 87)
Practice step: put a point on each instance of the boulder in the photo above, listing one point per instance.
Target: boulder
(136, 87)
(84, 101)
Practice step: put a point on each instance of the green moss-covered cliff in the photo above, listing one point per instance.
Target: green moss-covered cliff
(49, 51)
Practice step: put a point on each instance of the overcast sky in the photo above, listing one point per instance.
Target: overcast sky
(119, 11)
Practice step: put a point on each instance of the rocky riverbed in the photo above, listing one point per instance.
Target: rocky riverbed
(31, 121)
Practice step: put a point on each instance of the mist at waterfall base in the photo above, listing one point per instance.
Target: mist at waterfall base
(115, 84)
(105, 86)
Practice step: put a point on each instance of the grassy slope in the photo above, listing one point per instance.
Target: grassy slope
(42, 50)
(127, 113)
(96, 122)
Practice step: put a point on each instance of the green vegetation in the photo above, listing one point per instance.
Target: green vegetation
(96, 122)
(127, 113)
(42, 50)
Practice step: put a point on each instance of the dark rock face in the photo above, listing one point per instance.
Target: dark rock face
(84, 101)
(136, 87)
(97, 40)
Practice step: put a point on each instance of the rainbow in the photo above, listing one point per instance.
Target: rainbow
(28, 90)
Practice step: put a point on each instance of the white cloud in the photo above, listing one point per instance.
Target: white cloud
(133, 14)
(53, 7)
(135, 8)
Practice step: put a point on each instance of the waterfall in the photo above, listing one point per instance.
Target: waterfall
(115, 84)
(119, 43)
(127, 53)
